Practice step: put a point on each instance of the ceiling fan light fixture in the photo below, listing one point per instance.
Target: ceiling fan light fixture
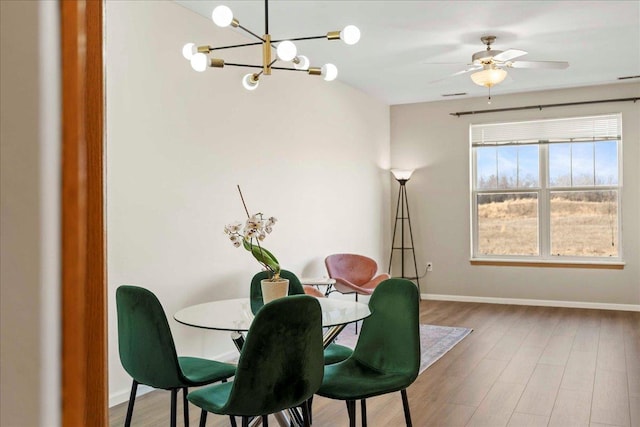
(489, 77)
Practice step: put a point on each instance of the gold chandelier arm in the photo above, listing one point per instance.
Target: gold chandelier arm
(216, 62)
(266, 55)
(287, 69)
(235, 64)
(333, 35)
(251, 32)
(207, 49)
(326, 36)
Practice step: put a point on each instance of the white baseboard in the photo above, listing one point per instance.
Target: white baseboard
(122, 396)
(535, 302)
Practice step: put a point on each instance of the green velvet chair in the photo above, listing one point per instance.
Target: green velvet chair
(280, 366)
(148, 353)
(387, 355)
(334, 353)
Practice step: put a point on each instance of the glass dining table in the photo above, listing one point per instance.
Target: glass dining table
(235, 316)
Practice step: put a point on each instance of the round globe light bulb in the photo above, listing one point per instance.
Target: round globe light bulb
(303, 63)
(188, 50)
(199, 62)
(287, 50)
(222, 16)
(329, 71)
(350, 34)
(249, 82)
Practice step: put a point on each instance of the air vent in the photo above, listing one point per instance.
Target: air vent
(454, 94)
(629, 77)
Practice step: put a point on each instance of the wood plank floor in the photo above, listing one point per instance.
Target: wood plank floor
(522, 366)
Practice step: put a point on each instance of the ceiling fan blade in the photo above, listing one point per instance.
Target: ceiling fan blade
(468, 70)
(510, 54)
(441, 63)
(475, 68)
(555, 65)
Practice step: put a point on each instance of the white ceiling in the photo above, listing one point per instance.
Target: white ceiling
(407, 45)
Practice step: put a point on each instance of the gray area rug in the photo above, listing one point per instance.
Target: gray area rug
(435, 341)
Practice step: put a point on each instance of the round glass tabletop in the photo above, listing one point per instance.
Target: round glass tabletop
(236, 315)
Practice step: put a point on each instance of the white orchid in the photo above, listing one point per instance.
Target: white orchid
(255, 227)
(232, 228)
(236, 240)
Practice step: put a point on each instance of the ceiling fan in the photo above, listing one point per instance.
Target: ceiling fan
(489, 64)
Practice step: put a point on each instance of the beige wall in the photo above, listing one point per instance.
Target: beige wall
(424, 136)
(29, 219)
(312, 153)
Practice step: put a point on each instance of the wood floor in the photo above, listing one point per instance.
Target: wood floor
(522, 366)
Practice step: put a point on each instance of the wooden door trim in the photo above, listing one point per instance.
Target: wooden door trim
(84, 315)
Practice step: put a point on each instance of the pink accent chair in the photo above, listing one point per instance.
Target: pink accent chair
(310, 290)
(354, 273)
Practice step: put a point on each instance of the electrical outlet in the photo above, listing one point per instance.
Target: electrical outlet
(429, 266)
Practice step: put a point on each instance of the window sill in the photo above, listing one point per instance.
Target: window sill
(616, 265)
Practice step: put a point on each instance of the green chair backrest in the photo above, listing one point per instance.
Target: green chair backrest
(255, 293)
(390, 338)
(147, 350)
(282, 362)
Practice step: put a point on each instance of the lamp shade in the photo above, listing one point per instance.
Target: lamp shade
(489, 76)
(402, 174)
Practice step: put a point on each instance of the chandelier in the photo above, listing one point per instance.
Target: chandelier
(201, 57)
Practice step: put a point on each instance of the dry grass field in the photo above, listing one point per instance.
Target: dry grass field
(578, 228)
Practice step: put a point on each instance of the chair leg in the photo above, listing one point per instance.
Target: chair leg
(351, 409)
(245, 421)
(306, 413)
(356, 321)
(132, 401)
(265, 420)
(363, 410)
(185, 406)
(405, 405)
(203, 418)
(310, 409)
(233, 421)
(174, 406)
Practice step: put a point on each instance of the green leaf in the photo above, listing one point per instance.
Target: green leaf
(263, 256)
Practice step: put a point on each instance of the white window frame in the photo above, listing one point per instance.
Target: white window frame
(543, 191)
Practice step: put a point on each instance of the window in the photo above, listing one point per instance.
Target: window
(547, 190)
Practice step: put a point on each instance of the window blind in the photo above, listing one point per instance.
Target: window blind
(577, 129)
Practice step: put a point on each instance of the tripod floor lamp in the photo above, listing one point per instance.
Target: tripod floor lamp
(402, 215)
